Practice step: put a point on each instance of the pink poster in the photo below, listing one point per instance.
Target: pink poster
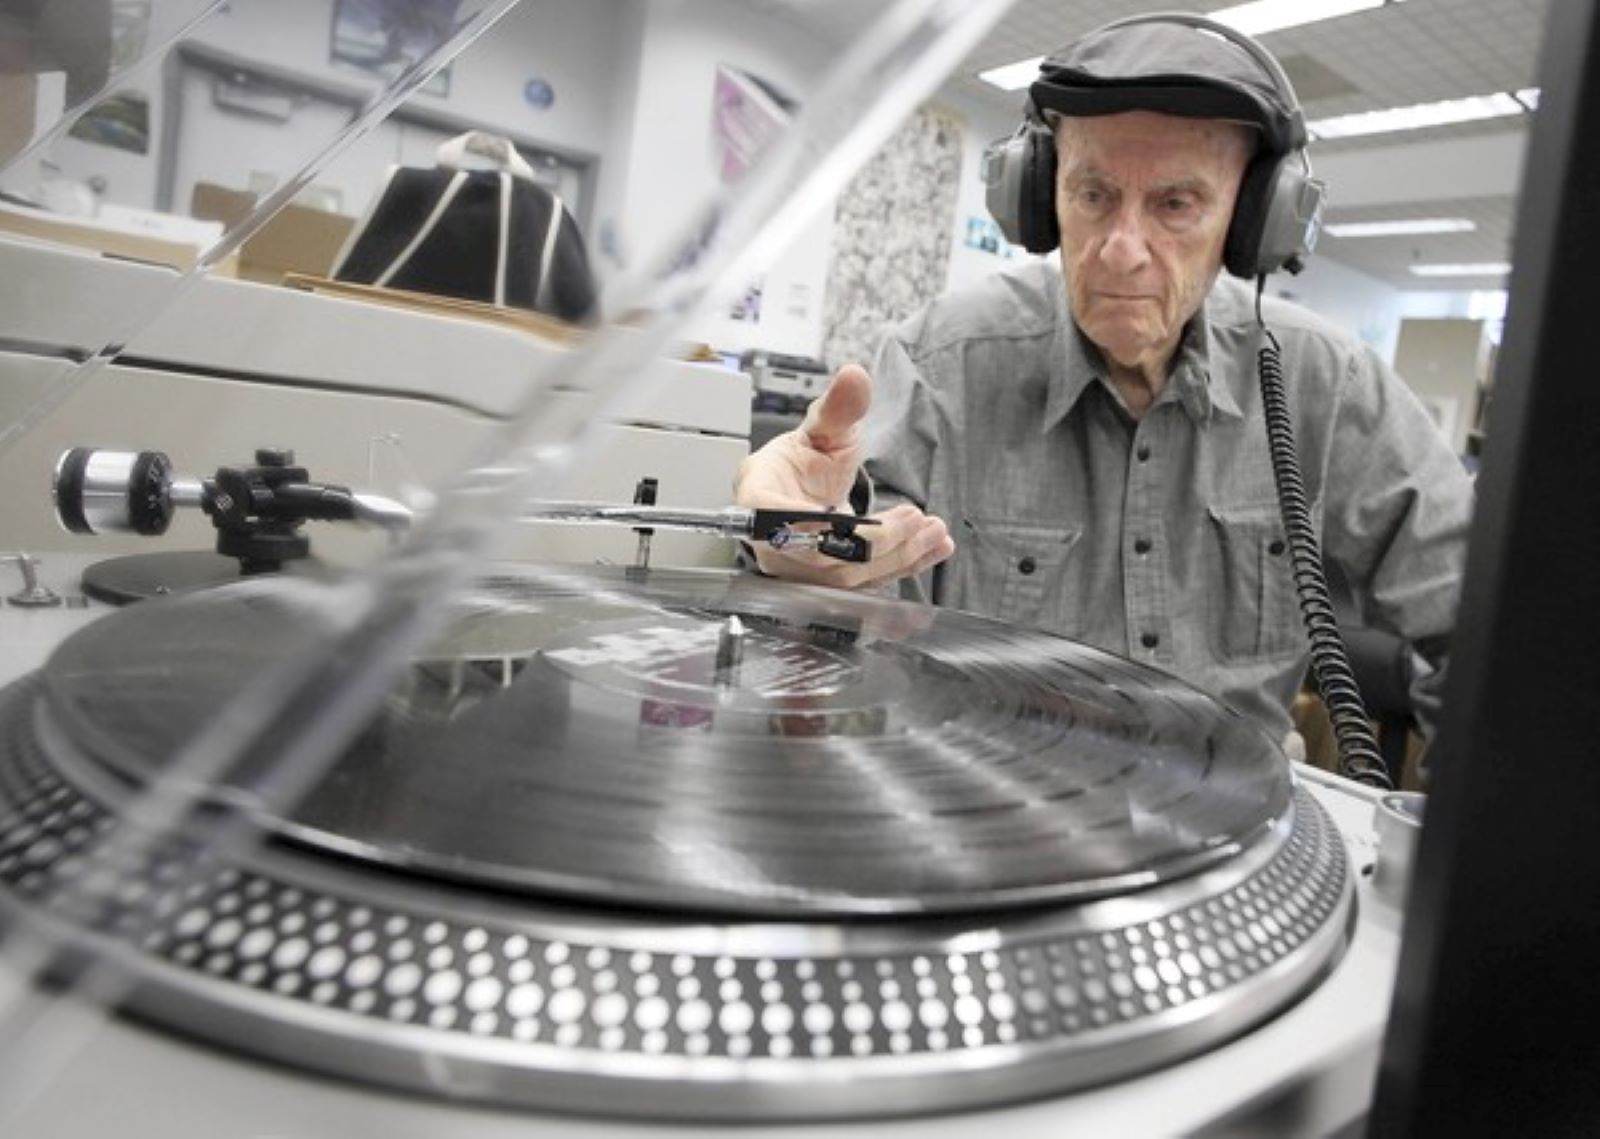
(746, 115)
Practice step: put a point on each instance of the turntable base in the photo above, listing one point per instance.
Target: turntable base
(568, 1001)
(137, 577)
(1307, 1072)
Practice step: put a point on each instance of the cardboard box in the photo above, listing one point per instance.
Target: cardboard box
(113, 240)
(298, 240)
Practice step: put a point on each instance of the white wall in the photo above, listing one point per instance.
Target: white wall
(1383, 316)
(130, 179)
(634, 82)
(577, 46)
(1362, 305)
(672, 168)
(568, 43)
(793, 288)
(1487, 166)
(1445, 361)
(967, 262)
(1487, 305)
(607, 239)
(670, 162)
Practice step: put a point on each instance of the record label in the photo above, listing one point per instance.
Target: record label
(647, 655)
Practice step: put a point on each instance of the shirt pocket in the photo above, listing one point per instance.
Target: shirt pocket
(1020, 573)
(1250, 576)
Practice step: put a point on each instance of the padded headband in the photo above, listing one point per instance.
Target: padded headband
(1175, 64)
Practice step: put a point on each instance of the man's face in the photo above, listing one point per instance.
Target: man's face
(1144, 202)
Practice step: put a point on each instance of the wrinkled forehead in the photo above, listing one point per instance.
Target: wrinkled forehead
(1145, 136)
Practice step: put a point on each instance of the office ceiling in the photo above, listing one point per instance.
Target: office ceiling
(1403, 53)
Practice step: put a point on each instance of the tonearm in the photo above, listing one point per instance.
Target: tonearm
(258, 510)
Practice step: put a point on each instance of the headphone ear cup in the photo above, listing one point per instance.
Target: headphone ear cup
(1036, 210)
(1275, 218)
(1241, 251)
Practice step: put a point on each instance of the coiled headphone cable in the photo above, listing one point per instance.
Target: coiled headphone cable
(1359, 758)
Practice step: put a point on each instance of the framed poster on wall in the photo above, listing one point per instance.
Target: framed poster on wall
(384, 37)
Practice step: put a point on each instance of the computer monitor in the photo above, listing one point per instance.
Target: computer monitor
(1492, 1030)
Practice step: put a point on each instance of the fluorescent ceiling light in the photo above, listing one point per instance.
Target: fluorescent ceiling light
(1273, 15)
(1013, 76)
(1497, 105)
(1253, 19)
(1398, 228)
(1480, 269)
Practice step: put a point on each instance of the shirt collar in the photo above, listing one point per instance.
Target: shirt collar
(1075, 363)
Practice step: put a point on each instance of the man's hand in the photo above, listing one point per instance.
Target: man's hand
(813, 468)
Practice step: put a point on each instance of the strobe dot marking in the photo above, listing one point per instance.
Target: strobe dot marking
(245, 936)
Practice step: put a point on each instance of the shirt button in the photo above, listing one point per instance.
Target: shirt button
(1142, 546)
(1276, 547)
(1149, 640)
(1143, 453)
(1027, 566)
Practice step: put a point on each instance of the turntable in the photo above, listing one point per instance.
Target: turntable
(701, 846)
(647, 845)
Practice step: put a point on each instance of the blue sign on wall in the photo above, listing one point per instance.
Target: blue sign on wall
(539, 94)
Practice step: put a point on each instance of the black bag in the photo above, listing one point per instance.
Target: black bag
(495, 236)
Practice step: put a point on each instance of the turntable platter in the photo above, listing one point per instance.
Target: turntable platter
(572, 733)
(604, 850)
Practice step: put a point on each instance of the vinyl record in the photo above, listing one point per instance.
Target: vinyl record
(713, 743)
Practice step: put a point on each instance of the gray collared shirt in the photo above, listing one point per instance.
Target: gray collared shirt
(1160, 538)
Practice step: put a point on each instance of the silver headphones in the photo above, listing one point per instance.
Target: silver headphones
(1278, 213)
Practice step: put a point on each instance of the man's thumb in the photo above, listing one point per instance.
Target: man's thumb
(832, 417)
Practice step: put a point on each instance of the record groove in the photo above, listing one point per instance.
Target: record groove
(572, 733)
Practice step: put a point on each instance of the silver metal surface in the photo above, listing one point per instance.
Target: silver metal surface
(34, 594)
(310, 962)
(728, 522)
(376, 510)
(191, 492)
(360, 968)
(106, 478)
(730, 651)
(1397, 821)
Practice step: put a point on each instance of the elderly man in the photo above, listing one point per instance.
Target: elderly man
(1081, 446)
